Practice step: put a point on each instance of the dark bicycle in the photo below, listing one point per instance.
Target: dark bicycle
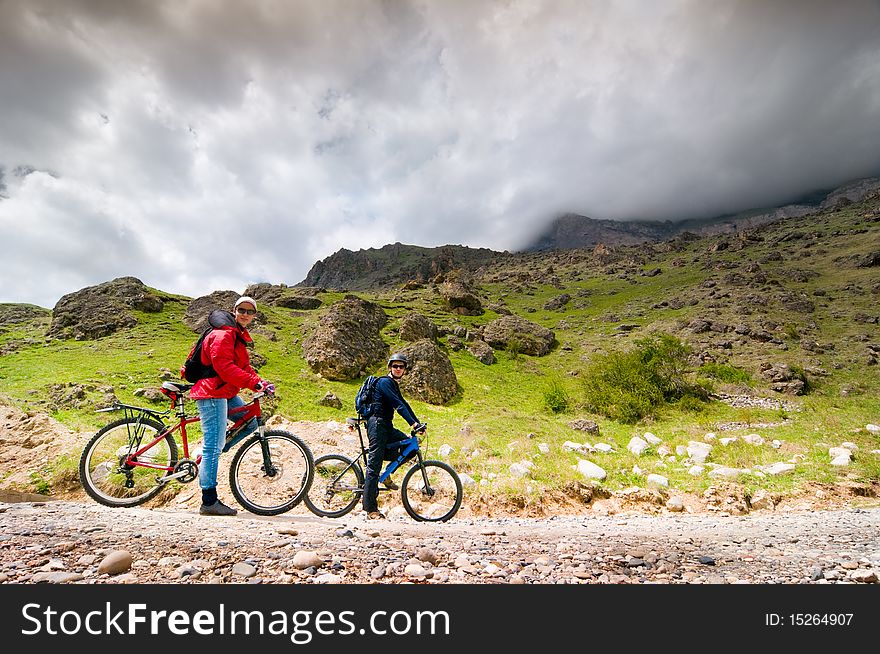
(431, 490)
(132, 459)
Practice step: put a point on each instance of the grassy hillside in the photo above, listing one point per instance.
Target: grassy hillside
(792, 292)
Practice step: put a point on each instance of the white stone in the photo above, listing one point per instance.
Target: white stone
(697, 451)
(637, 445)
(728, 441)
(603, 447)
(518, 470)
(651, 438)
(657, 481)
(637, 470)
(776, 444)
(307, 559)
(710, 436)
(778, 468)
(663, 451)
(590, 470)
(753, 439)
(874, 429)
(675, 504)
(852, 447)
(681, 450)
(724, 471)
(415, 570)
(445, 450)
(840, 456)
(571, 446)
(466, 479)
(695, 471)
(543, 448)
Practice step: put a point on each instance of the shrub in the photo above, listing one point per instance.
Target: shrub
(725, 372)
(556, 398)
(628, 386)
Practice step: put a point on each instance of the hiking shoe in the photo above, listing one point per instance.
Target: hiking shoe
(375, 515)
(390, 485)
(217, 508)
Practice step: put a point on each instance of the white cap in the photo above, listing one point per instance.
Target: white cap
(243, 299)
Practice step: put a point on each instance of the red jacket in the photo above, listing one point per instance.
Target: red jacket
(225, 349)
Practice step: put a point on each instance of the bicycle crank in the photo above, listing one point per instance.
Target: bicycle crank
(185, 471)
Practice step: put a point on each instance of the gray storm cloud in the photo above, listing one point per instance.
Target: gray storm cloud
(275, 133)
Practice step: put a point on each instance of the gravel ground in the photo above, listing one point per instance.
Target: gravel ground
(85, 543)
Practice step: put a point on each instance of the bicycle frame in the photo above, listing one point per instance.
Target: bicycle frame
(249, 411)
(408, 447)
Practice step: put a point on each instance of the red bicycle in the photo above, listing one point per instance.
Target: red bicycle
(132, 459)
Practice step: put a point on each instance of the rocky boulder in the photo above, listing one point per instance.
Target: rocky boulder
(100, 310)
(519, 334)
(431, 377)
(460, 298)
(482, 352)
(783, 379)
(557, 303)
(280, 295)
(415, 327)
(347, 341)
(197, 311)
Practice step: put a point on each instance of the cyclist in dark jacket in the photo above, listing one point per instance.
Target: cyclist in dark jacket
(386, 400)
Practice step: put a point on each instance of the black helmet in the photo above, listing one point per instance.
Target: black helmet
(398, 357)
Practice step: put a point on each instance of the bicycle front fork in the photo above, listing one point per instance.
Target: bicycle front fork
(268, 467)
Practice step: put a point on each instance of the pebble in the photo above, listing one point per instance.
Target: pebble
(115, 563)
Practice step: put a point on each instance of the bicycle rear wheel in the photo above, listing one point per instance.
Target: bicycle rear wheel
(271, 474)
(431, 491)
(105, 475)
(337, 487)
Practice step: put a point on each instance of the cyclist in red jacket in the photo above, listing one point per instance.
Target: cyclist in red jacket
(224, 349)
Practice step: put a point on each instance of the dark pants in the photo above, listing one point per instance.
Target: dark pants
(380, 433)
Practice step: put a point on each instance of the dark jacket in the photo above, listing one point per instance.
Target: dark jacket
(387, 399)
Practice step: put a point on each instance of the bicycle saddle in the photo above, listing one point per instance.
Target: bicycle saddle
(176, 387)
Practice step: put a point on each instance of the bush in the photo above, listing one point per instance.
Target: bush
(628, 386)
(725, 372)
(556, 398)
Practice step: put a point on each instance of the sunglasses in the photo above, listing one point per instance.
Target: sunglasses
(398, 366)
(245, 312)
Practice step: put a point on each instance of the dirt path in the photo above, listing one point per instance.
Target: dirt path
(66, 542)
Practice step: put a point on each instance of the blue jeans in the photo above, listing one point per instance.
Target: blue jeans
(214, 414)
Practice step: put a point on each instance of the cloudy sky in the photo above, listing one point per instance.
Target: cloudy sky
(207, 144)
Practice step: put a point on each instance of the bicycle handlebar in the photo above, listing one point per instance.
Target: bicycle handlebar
(419, 428)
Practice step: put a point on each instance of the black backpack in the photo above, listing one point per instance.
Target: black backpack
(364, 398)
(193, 368)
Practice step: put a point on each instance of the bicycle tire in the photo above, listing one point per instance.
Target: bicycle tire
(446, 496)
(102, 474)
(326, 502)
(271, 494)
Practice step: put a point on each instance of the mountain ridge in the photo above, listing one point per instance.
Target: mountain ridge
(399, 264)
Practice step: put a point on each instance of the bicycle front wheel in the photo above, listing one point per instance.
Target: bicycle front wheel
(104, 473)
(337, 487)
(431, 491)
(271, 474)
